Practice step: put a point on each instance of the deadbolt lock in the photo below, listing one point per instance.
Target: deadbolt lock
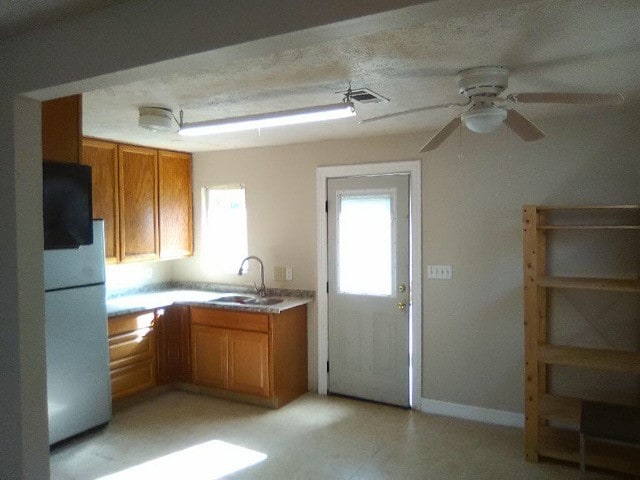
(402, 287)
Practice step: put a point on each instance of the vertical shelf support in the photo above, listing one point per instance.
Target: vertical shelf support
(535, 325)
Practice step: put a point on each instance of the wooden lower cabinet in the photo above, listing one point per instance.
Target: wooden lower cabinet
(173, 337)
(255, 354)
(209, 356)
(132, 354)
(230, 350)
(250, 355)
(248, 362)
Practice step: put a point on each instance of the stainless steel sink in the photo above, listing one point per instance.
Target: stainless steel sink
(231, 299)
(264, 301)
(246, 300)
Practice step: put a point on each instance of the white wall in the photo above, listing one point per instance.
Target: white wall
(474, 188)
(125, 42)
(126, 276)
(473, 334)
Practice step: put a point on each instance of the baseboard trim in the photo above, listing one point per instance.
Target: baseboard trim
(469, 412)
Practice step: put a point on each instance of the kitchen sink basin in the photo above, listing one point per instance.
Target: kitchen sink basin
(247, 300)
(263, 301)
(231, 299)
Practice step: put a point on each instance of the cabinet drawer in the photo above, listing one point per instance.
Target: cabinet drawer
(254, 322)
(132, 379)
(130, 322)
(131, 347)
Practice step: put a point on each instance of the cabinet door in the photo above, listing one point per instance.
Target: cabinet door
(62, 129)
(175, 204)
(249, 362)
(138, 203)
(209, 351)
(172, 326)
(102, 157)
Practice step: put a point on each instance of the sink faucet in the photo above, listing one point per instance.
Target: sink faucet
(262, 290)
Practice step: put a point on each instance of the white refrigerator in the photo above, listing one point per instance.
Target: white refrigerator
(78, 384)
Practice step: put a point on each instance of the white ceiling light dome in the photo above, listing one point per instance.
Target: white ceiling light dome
(484, 118)
(156, 119)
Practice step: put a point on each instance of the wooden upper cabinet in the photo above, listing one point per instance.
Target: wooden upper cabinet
(102, 157)
(144, 196)
(62, 129)
(175, 204)
(138, 182)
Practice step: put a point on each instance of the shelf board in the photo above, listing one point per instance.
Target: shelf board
(562, 444)
(564, 410)
(595, 358)
(589, 227)
(544, 208)
(583, 283)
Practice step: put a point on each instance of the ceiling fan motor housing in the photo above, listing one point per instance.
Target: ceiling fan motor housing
(486, 80)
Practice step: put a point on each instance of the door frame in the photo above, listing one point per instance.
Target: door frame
(413, 169)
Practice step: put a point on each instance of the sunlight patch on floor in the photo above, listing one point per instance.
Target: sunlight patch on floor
(207, 461)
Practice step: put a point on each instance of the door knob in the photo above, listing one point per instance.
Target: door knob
(402, 305)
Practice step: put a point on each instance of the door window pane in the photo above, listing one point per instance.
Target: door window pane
(365, 243)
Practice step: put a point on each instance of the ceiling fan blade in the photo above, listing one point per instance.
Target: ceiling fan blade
(522, 127)
(442, 135)
(568, 98)
(413, 110)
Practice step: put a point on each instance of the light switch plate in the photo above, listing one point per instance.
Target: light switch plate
(288, 274)
(440, 272)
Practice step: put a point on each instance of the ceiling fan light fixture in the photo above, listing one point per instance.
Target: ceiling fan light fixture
(265, 120)
(156, 119)
(484, 118)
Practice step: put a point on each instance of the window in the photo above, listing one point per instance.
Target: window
(366, 245)
(225, 227)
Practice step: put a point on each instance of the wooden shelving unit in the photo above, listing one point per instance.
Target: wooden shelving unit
(551, 421)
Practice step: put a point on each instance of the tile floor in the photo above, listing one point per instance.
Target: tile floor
(314, 437)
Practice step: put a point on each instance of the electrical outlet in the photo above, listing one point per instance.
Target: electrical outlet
(279, 274)
(440, 272)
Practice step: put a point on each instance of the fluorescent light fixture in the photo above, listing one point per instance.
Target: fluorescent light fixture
(266, 120)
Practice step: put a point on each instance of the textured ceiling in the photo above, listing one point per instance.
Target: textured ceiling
(575, 46)
(20, 16)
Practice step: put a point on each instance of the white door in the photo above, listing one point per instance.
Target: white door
(368, 287)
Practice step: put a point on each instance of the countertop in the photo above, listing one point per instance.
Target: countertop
(137, 302)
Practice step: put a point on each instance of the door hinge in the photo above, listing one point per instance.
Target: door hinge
(327, 287)
(327, 366)
(326, 206)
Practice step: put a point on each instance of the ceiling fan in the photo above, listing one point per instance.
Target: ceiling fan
(487, 110)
